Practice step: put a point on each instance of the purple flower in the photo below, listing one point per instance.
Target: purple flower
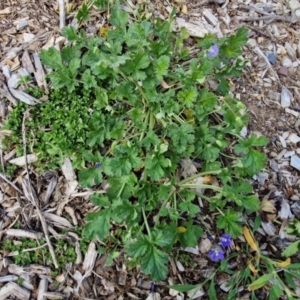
(98, 165)
(216, 254)
(213, 51)
(225, 240)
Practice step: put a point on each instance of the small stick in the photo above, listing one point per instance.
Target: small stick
(267, 16)
(261, 54)
(203, 2)
(31, 196)
(11, 183)
(62, 14)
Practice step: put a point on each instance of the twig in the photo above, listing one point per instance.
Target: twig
(267, 16)
(203, 2)
(260, 32)
(261, 54)
(11, 183)
(62, 14)
(32, 197)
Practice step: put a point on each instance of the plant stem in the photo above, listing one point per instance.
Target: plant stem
(220, 211)
(146, 223)
(199, 175)
(202, 186)
(164, 204)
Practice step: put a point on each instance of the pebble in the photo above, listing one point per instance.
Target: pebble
(267, 8)
(262, 177)
(285, 97)
(271, 58)
(274, 165)
(244, 132)
(282, 141)
(295, 198)
(283, 71)
(289, 154)
(21, 24)
(295, 162)
(294, 138)
(287, 62)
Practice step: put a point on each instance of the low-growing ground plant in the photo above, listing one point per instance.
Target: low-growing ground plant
(28, 251)
(127, 108)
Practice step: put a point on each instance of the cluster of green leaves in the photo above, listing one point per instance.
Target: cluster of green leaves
(276, 278)
(293, 248)
(127, 108)
(32, 252)
(57, 128)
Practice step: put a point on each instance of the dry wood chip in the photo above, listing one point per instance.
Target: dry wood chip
(122, 278)
(90, 258)
(51, 187)
(4, 92)
(20, 161)
(24, 97)
(24, 233)
(78, 253)
(39, 74)
(27, 63)
(71, 213)
(58, 221)
(13, 289)
(8, 278)
(193, 30)
(5, 11)
(50, 295)
(43, 287)
(68, 170)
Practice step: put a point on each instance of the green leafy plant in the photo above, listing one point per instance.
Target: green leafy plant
(127, 108)
(35, 252)
(293, 248)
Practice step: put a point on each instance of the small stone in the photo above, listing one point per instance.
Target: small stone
(267, 8)
(244, 132)
(285, 97)
(295, 162)
(262, 177)
(27, 37)
(287, 62)
(21, 24)
(294, 4)
(283, 71)
(282, 141)
(252, 43)
(272, 57)
(289, 154)
(205, 245)
(295, 198)
(294, 138)
(274, 165)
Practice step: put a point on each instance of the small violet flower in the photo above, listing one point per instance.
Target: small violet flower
(213, 51)
(225, 240)
(216, 254)
(98, 165)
